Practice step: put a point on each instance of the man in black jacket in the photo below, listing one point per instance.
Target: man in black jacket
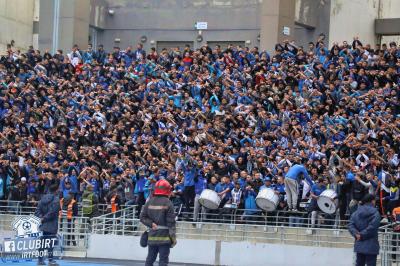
(48, 210)
(364, 226)
(158, 214)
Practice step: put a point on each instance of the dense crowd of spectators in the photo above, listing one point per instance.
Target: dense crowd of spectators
(233, 120)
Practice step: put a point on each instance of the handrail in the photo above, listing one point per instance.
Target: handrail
(223, 215)
(22, 207)
(230, 232)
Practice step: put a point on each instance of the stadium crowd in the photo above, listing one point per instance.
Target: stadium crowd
(232, 120)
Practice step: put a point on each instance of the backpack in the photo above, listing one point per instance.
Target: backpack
(87, 204)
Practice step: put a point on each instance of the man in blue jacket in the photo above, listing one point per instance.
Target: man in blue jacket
(363, 226)
(199, 185)
(48, 210)
(292, 180)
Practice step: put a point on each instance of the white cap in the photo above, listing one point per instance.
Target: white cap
(23, 179)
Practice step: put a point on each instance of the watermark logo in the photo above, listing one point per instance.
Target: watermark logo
(9, 246)
(29, 242)
(26, 226)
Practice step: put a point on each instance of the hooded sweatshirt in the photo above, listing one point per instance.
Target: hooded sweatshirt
(48, 210)
(365, 221)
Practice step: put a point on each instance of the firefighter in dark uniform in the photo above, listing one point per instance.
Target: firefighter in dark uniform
(158, 215)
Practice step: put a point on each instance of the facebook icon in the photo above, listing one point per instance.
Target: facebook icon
(9, 246)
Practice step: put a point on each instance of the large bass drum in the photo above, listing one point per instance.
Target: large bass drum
(210, 199)
(328, 201)
(267, 200)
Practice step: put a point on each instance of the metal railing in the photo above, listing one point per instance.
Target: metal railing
(17, 207)
(233, 232)
(75, 232)
(222, 215)
(124, 222)
(389, 245)
(258, 217)
(116, 223)
(26, 208)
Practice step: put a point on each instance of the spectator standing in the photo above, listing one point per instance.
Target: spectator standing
(316, 191)
(89, 202)
(48, 211)
(363, 226)
(200, 185)
(358, 191)
(292, 179)
(68, 212)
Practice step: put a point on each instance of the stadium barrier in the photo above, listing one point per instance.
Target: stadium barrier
(26, 208)
(223, 215)
(87, 238)
(217, 243)
(390, 245)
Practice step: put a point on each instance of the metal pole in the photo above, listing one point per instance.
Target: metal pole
(56, 22)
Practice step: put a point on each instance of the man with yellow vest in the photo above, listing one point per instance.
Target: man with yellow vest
(68, 210)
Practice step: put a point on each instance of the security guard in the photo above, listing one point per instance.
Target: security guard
(68, 211)
(158, 215)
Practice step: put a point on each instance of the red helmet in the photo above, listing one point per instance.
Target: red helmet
(162, 188)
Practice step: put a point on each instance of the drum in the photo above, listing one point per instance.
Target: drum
(210, 199)
(267, 200)
(328, 201)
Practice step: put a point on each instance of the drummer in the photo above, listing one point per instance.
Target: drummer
(316, 191)
(199, 185)
(292, 180)
(280, 186)
(267, 184)
(224, 189)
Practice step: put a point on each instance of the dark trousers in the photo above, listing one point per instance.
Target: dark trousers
(46, 235)
(67, 225)
(366, 259)
(343, 203)
(163, 250)
(188, 196)
(140, 202)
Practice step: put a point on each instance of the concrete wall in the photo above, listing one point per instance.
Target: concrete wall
(81, 18)
(211, 252)
(312, 18)
(98, 13)
(390, 9)
(46, 19)
(174, 20)
(16, 20)
(353, 18)
(73, 24)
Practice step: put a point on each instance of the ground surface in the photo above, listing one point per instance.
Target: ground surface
(89, 262)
